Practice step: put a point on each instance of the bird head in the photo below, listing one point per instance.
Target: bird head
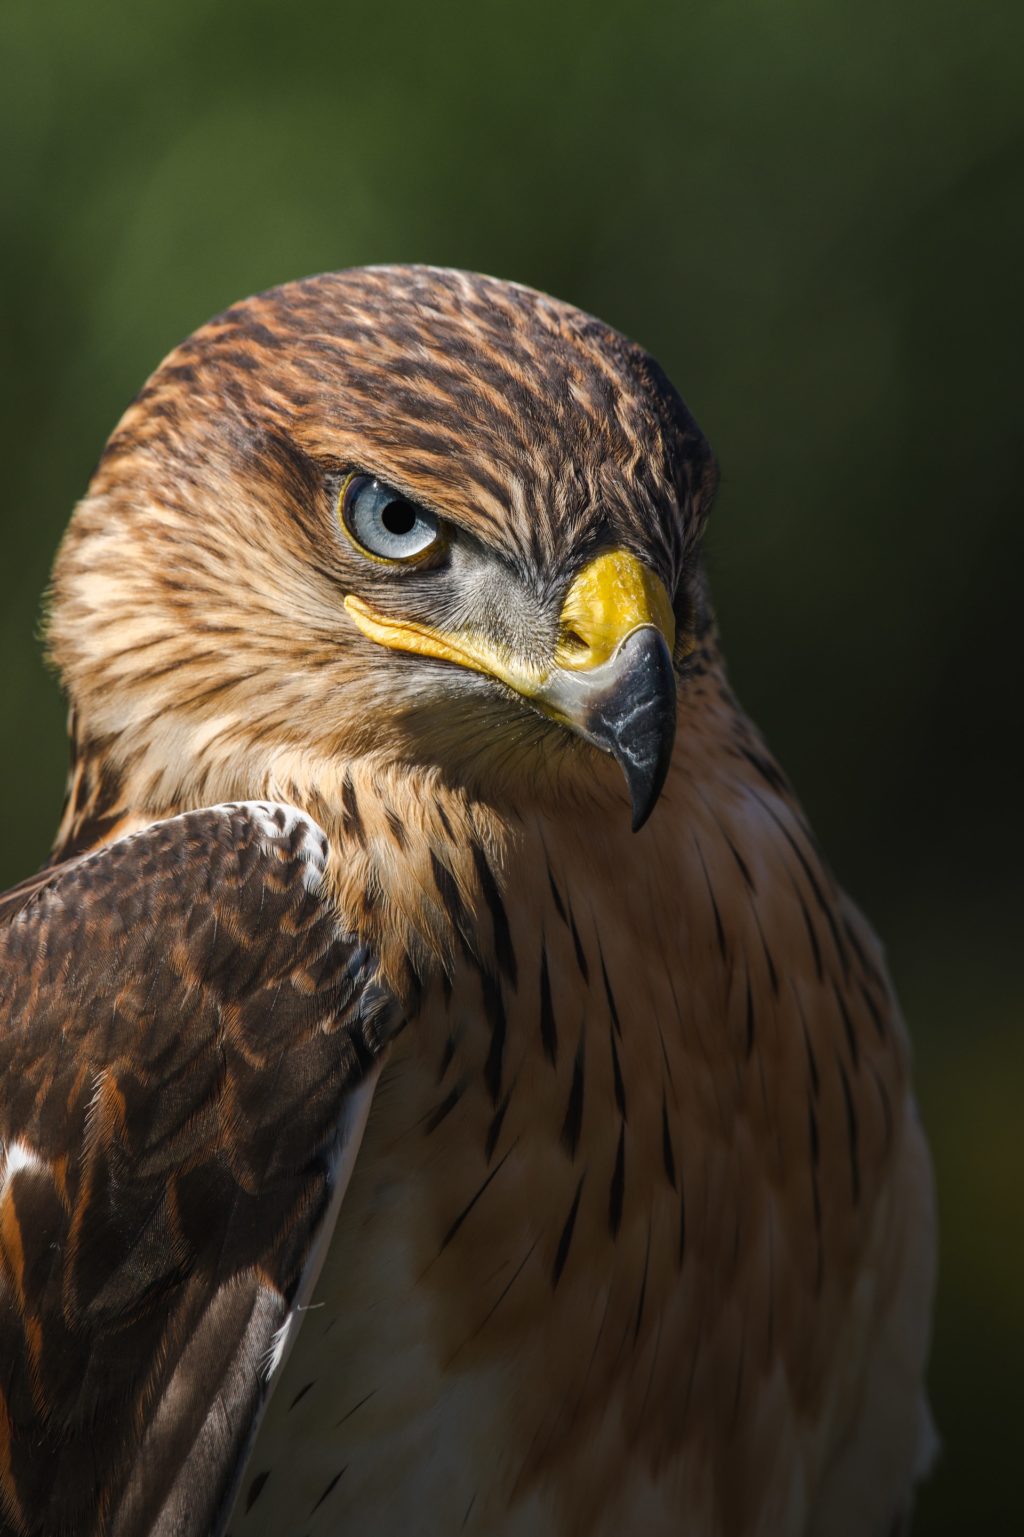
(406, 513)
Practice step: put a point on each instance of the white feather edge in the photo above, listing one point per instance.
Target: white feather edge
(351, 1126)
(17, 1155)
(313, 850)
(350, 1136)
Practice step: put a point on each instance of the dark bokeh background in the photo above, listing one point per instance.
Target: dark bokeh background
(811, 211)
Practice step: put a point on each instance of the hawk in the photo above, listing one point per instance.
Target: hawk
(434, 957)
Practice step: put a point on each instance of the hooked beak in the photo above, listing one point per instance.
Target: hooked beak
(627, 707)
(611, 678)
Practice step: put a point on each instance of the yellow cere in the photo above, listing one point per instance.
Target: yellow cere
(612, 596)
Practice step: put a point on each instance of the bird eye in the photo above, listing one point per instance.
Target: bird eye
(382, 523)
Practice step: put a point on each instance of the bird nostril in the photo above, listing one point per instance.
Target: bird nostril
(572, 640)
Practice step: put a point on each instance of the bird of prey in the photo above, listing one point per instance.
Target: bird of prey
(443, 1088)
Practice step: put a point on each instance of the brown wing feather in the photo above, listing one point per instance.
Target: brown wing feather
(19, 896)
(184, 1035)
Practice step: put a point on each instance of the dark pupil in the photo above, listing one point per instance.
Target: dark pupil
(398, 518)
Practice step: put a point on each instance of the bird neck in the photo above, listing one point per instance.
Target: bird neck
(417, 863)
(98, 804)
(419, 858)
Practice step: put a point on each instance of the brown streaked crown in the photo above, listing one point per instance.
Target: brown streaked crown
(530, 421)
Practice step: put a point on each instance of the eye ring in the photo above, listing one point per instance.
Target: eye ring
(386, 526)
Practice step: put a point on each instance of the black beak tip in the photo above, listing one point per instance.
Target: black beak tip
(646, 780)
(644, 798)
(637, 721)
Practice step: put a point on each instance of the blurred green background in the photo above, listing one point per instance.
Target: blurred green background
(811, 213)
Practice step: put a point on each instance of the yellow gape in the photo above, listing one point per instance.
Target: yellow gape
(611, 597)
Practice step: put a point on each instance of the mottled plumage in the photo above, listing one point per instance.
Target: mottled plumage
(640, 1234)
(187, 1046)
